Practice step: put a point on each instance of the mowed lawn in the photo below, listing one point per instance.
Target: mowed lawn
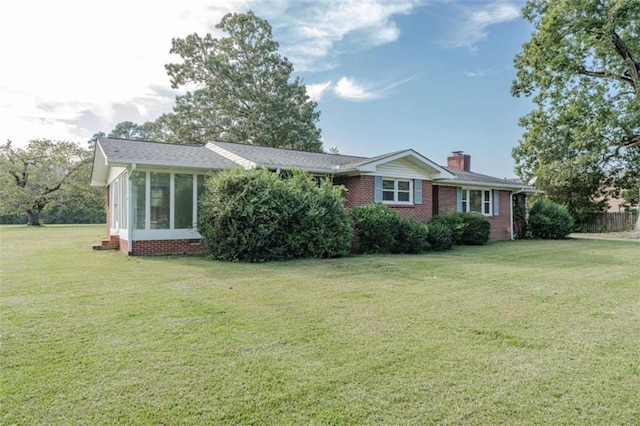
(525, 332)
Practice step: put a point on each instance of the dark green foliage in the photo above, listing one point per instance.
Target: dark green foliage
(476, 229)
(520, 216)
(440, 236)
(257, 215)
(454, 221)
(13, 219)
(411, 237)
(466, 228)
(376, 227)
(549, 220)
(381, 229)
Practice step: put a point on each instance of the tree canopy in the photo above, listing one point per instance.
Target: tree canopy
(34, 176)
(582, 69)
(241, 91)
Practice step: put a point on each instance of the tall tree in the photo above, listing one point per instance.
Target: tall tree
(582, 68)
(32, 177)
(243, 89)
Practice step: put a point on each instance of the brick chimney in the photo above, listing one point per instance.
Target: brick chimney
(459, 161)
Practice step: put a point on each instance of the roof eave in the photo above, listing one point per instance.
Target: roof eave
(458, 182)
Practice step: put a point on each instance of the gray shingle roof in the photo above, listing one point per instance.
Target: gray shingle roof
(473, 177)
(121, 151)
(279, 157)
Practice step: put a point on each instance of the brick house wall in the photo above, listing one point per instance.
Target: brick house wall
(360, 191)
(447, 196)
(164, 247)
(500, 225)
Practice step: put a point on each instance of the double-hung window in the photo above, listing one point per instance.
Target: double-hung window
(476, 200)
(397, 191)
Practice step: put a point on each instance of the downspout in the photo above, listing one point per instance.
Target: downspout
(130, 211)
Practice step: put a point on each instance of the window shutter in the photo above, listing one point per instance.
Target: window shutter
(459, 199)
(377, 193)
(496, 202)
(417, 191)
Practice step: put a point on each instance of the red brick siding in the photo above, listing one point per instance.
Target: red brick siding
(163, 247)
(500, 224)
(447, 199)
(360, 191)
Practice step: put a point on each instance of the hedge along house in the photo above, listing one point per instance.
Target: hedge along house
(153, 188)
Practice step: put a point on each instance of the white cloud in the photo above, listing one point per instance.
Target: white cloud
(75, 67)
(353, 24)
(315, 91)
(75, 56)
(477, 73)
(473, 27)
(349, 89)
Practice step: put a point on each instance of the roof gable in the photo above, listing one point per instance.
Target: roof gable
(432, 169)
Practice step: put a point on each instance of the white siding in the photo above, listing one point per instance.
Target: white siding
(402, 168)
(114, 172)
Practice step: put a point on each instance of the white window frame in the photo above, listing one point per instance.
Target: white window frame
(396, 191)
(466, 201)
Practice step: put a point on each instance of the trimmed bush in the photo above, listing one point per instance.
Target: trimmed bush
(549, 220)
(381, 229)
(439, 236)
(466, 228)
(257, 215)
(476, 229)
(411, 237)
(454, 221)
(376, 227)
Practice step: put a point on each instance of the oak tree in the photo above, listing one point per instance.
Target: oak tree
(242, 89)
(32, 177)
(582, 69)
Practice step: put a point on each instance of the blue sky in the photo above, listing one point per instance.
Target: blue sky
(387, 75)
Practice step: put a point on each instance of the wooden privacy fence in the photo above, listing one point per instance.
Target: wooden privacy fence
(611, 222)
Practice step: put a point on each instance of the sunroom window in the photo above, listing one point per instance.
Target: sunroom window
(165, 201)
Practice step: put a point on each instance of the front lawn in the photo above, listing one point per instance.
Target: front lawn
(532, 332)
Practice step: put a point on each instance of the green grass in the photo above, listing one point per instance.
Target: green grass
(533, 332)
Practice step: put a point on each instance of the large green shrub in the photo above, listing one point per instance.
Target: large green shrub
(257, 215)
(411, 237)
(439, 236)
(476, 229)
(376, 227)
(466, 228)
(380, 229)
(454, 221)
(549, 220)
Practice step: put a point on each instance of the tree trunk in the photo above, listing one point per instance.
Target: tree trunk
(33, 219)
